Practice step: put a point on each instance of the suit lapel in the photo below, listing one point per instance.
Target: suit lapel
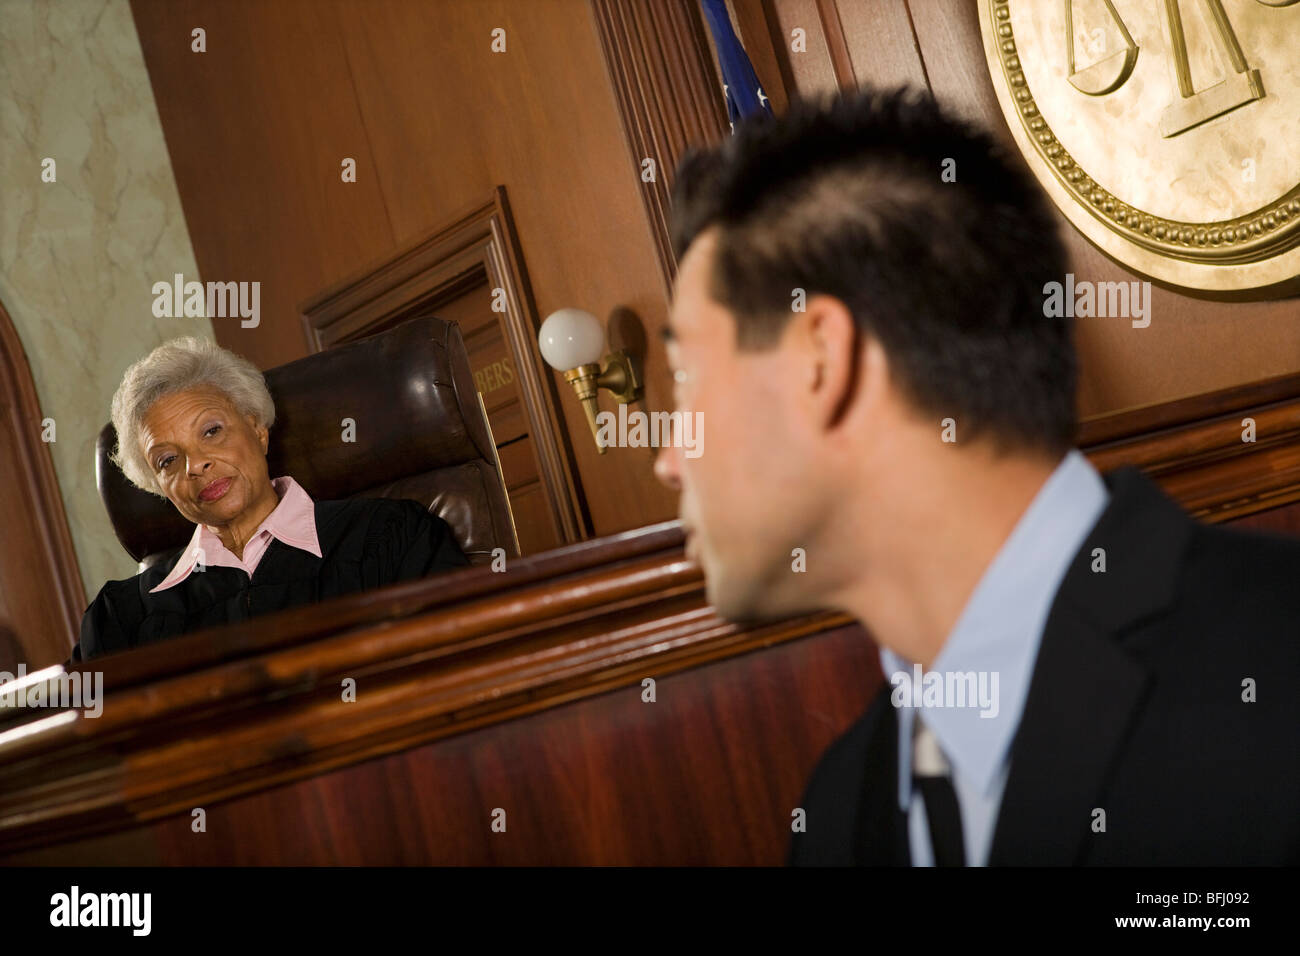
(881, 837)
(1087, 689)
(1084, 693)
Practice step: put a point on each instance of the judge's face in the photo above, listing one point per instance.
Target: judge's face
(747, 500)
(209, 459)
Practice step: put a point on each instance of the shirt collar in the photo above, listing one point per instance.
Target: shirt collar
(292, 521)
(998, 633)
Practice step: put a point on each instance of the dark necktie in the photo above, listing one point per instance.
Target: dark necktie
(932, 775)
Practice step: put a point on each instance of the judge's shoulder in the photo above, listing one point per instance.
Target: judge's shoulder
(118, 601)
(377, 516)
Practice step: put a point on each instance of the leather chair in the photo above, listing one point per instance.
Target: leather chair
(420, 433)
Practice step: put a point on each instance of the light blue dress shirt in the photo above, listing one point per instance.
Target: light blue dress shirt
(996, 638)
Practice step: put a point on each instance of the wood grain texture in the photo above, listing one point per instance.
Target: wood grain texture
(474, 251)
(707, 774)
(669, 96)
(257, 128)
(811, 68)
(1197, 448)
(41, 594)
(236, 710)
(759, 29)
(1285, 520)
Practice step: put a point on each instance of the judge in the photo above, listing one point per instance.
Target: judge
(193, 422)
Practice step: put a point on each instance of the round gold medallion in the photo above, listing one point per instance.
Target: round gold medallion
(1167, 131)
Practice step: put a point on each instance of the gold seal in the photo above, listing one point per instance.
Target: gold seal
(1166, 131)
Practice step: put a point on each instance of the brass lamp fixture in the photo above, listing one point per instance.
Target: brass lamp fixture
(571, 341)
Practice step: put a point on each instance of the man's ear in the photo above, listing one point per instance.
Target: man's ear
(832, 338)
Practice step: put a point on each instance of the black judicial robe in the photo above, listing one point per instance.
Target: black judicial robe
(365, 543)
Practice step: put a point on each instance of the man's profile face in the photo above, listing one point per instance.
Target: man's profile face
(745, 498)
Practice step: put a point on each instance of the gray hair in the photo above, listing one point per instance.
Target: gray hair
(172, 367)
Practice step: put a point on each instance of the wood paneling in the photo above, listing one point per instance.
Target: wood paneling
(811, 68)
(759, 30)
(238, 710)
(1285, 520)
(946, 35)
(668, 92)
(1201, 451)
(41, 594)
(847, 44)
(707, 774)
(474, 266)
(876, 38)
(258, 126)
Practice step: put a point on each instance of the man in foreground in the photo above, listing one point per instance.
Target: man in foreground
(1077, 673)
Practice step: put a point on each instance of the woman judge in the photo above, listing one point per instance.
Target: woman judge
(193, 424)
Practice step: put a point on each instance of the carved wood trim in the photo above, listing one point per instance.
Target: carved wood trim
(480, 247)
(48, 558)
(667, 92)
(486, 647)
(837, 44)
(1194, 447)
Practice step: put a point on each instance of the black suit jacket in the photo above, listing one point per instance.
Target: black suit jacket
(1135, 707)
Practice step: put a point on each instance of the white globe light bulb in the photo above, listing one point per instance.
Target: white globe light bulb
(571, 337)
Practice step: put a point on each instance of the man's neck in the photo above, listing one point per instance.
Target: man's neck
(932, 535)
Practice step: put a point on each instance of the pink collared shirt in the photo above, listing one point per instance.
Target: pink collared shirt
(293, 521)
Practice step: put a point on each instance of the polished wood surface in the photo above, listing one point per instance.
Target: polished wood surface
(237, 710)
(41, 594)
(1198, 448)
(707, 774)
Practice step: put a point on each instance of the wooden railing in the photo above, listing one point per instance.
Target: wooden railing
(239, 709)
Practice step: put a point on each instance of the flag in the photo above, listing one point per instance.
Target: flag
(740, 84)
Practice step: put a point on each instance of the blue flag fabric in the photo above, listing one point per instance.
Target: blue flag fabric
(740, 84)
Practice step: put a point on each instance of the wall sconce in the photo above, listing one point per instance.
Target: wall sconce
(571, 341)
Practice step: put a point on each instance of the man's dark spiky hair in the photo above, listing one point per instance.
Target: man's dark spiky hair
(846, 196)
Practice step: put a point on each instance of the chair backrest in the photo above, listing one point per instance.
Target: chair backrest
(418, 431)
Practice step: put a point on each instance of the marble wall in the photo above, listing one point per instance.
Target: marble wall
(79, 256)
